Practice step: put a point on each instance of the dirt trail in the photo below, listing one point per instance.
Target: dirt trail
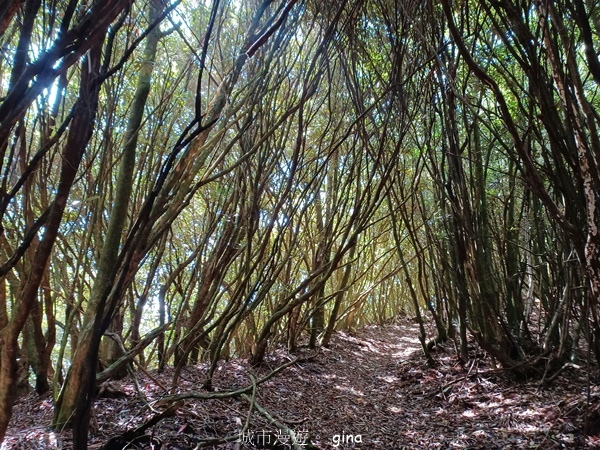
(368, 390)
(376, 385)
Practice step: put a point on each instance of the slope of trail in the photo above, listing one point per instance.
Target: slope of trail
(368, 390)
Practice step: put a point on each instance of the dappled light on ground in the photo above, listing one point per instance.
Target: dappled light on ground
(368, 390)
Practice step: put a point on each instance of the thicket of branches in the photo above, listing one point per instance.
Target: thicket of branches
(187, 181)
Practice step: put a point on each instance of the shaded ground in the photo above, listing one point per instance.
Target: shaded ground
(371, 390)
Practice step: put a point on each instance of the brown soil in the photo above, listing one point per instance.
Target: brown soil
(369, 390)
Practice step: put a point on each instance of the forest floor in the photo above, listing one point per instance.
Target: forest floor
(368, 390)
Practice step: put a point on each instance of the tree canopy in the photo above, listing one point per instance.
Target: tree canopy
(190, 181)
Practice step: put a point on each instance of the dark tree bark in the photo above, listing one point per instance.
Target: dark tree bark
(79, 135)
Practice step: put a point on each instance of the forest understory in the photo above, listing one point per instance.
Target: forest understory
(369, 390)
(184, 181)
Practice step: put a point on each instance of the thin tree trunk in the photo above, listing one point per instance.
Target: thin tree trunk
(73, 388)
(79, 135)
(338, 299)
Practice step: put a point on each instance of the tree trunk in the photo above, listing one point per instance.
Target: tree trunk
(81, 367)
(79, 135)
(338, 299)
